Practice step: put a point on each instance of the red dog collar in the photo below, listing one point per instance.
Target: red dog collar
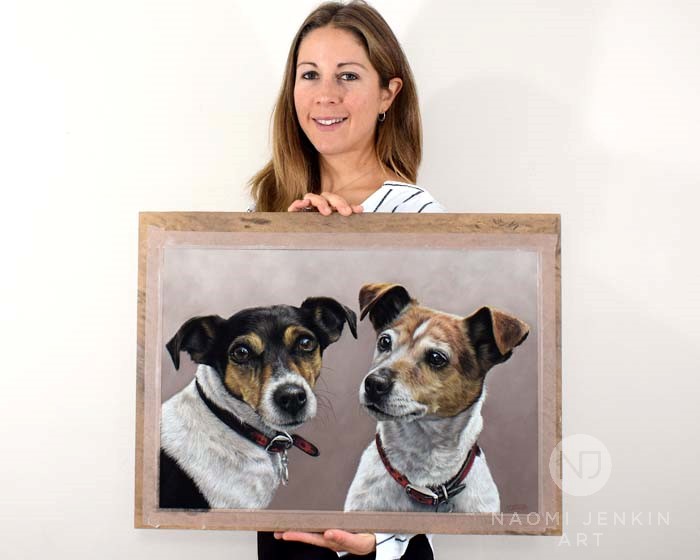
(435, 496)
(279, 443)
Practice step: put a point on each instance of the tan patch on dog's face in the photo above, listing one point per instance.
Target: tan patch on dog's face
(305, 363)
(246, 383)
(293, 333)
(448, 389)
(243, 379)
(247, 380)
(251, 340)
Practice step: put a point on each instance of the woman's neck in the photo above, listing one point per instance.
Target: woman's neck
(354, 177)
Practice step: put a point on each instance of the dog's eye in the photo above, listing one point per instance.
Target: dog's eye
(240, 354)
(306, 344)
(384, 343)
(436, 359)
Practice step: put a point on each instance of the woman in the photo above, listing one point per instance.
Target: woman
(346, 138)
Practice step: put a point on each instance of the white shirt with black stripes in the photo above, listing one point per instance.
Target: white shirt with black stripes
(393, 196)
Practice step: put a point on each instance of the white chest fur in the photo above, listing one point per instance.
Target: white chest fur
(428, 453)
(373, 489)
(230, 471)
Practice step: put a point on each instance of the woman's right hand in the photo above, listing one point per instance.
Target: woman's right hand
(335, 539)
(325, 203)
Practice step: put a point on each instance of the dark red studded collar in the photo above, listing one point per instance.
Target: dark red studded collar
(279, 443)
(437, 496)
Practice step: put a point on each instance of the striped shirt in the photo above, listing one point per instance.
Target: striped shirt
(393, 196)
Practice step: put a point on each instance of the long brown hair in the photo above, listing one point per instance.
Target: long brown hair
(294, 168)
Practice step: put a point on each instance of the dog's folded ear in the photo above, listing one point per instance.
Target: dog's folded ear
(384, 302)
(196, 337)
(494, 334)
(329, 317)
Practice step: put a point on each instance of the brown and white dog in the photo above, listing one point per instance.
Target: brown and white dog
(426, 388)
(224, 437)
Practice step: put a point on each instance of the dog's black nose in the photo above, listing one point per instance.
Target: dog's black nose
(377, 385)
(290, 398)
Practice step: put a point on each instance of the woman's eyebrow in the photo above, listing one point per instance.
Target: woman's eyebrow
(351, 63)
(339, 64)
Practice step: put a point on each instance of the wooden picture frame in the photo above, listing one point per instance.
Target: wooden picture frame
(450, 262)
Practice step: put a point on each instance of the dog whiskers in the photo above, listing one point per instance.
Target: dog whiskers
(325, 406)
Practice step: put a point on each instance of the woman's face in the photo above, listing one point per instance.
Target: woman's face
(337, 93)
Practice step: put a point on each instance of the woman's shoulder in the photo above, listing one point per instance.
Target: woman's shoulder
(396, 196)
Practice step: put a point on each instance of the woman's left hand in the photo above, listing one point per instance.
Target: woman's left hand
(335, 539)
(325, 203)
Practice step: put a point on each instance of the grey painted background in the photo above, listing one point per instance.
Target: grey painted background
(223, 281)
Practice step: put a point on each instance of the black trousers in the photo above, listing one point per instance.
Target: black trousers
(270, 548)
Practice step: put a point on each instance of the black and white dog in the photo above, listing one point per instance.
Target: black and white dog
(224, 438)
(426, 389)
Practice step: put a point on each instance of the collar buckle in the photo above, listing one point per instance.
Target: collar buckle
(283, 440)
(427, 492)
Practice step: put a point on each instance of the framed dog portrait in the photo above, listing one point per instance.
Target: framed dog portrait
(382, 373)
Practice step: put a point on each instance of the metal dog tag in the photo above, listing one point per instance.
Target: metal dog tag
(445, 507)
(284, 470)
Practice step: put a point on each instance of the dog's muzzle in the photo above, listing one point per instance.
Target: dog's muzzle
(290, 398)
(378, 385)
(287, 402)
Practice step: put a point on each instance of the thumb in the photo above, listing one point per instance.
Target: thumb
(336, 536)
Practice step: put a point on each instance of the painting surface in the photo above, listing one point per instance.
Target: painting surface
(205, 280)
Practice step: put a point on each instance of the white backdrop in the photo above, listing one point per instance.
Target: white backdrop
(585, 108)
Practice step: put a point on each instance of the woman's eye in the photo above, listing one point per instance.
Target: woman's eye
(240, 354)
(348, 77)
(306, 344)
(384, 343)
(310, 75)
(436, 359)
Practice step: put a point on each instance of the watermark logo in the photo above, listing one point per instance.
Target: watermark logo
(585, 465)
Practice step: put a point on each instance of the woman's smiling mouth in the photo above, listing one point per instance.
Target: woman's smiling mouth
(329, 123)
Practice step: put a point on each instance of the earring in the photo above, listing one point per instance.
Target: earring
(382, 117)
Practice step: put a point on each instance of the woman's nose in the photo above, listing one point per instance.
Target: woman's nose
(329, 91)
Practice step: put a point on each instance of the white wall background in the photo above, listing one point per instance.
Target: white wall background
(586, 108)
